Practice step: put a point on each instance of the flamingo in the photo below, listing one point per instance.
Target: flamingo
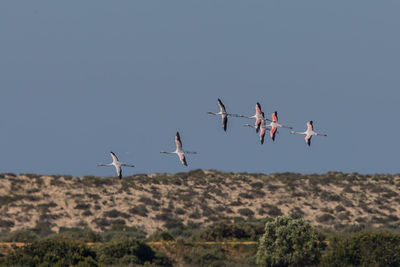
(274, 125)
(117, 164)
(309, 133)
(179, 151)
(258, 116)
(263, 127)
(223, 113)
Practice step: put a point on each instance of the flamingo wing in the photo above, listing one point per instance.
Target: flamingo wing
(114, 157)
(178, 141)
(258, 124)
(272, 132)
(258, 109)
(221, 106)
(182, 158)
(262, 135)
(308, 139)
(119, 171)
(224, 121)
(275, 116)
(310, 126)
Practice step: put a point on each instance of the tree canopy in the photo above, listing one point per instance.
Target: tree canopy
(289, 242)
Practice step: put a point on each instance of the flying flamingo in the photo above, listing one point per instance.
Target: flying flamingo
(309, 133)
(179, 151)
(274, 125)
(117, 164)
(258, 116)
(223, 113)
(263, 127)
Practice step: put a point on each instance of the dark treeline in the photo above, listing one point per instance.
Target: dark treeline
(282, 241)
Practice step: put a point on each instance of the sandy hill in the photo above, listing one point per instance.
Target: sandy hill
(200, 196)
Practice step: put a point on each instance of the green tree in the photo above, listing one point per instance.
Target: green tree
(289, 242)
(127, 251)
(365, 249)
(53, 252)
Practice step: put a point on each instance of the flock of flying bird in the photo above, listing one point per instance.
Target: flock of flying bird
(260, 126)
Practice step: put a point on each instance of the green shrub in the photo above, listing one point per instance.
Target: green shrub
(43, 228)
(161, 236)
(226, 230)
(246, 212)
(148, 201)
(289, 242)
(84, 235)
(82, 206)
(272, 210)
(87, 213)
(365, 249)
(339, 208)
(119, 231)
(6, 223)
(246, 195)
(4, 200)
(257, 185)
(127, 251)
(176, 227)
(20, 236)
(53, 252)
(140, 210)
(115, 213)
(180, 211)
(296, 213)
(195, 214)
(102, 223)
(325, 218)
(206, 257)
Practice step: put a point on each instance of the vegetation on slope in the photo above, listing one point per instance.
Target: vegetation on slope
(150, 203)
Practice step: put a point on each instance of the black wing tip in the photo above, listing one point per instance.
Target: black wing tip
(311, 122)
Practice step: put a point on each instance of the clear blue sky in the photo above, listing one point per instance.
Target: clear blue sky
(81, 78)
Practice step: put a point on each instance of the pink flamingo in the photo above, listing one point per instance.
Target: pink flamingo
(223, 113)
(179, 150)
(258, 117)
(263, 128)
(274, 125)
(117, 164)
(309, 133)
